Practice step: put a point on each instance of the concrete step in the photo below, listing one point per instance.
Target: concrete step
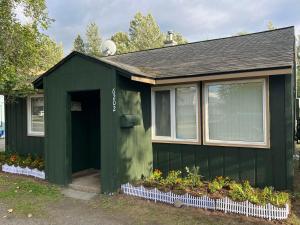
(86, 181)
(68, 192)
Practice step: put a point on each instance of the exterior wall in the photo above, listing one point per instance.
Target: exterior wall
(78, 74)
(261, 166)
(16, 138)
(134, 143)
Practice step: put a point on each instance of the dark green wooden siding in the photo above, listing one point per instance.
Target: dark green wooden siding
(261, 166)
(128, 153)
(78, 74)
(17, 139)
(134, 143)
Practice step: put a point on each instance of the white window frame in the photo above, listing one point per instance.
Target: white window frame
(266, 116)
(172, 138)
(29, 127)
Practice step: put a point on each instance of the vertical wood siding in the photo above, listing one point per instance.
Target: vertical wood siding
(134, 144)
(16, 130)
(260, 166)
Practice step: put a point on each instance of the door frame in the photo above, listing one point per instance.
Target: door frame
(69, 131)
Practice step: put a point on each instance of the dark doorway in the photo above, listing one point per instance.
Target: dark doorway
(85, 130)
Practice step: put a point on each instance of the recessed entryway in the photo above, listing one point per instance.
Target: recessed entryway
(85, 140)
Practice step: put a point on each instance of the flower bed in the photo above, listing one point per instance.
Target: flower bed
(24, 165)
(226, 205)
(221, 194)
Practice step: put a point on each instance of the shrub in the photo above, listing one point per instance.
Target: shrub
(218, 183)
(193, 178)
(22, 161)
(172, 179)
(236, 192)
(252, 195)
(276, 198)
(154, 178)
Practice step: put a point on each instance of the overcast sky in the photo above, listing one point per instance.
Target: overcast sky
(195, 19)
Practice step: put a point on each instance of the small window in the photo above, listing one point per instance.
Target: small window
(236, 113)
(175, 113)
(35, 115)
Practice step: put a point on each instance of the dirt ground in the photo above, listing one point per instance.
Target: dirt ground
(47, 206)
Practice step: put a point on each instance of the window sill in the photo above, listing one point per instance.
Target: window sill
(176, 142)
(35, 135)
(238, 145)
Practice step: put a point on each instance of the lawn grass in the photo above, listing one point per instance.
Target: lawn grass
(25, 195)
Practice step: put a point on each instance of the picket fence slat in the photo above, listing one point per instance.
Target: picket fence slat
(24, 171)
(226, 205)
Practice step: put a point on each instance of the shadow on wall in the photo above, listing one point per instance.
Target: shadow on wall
(136, 157)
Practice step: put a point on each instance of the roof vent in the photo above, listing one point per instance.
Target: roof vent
(169, 40)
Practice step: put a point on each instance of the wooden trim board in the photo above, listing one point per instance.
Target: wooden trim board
(252, 74)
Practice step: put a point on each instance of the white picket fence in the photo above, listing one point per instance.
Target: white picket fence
(267, 211)
(23, 171)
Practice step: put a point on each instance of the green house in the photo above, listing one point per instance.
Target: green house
(225, 105)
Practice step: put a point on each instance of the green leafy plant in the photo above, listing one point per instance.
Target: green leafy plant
(237, 192)
(172, 179)
(279, 198)
(276, 198)
(252, 195)
(193, 178)
(218, 183)
(154, 178)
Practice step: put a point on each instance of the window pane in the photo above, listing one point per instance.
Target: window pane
(186, 103)
(235, 112)
(162, 113)
(37, 114)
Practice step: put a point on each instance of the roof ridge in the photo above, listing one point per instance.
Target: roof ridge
(195, 42)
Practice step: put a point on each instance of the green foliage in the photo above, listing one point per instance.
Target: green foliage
(22, 160)
(144, 33)
(178, 38)
(276, 198)
(25, 51)
(172, 179)
(237, 192)
(93, 45)
(218, 183)
(252, 195)
(271, 26)
(122, 42)
(193, 178)
(298, 65)
(78, 44)
(154, 178)
(242, 192)
(223, 186)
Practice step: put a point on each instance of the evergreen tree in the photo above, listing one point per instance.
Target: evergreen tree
(145, 33)
(78, 44)
(122, 42)
(271, 26)
(93, 45)
(179, 38)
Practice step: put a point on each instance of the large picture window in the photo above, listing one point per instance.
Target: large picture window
(235, 113)
(175, 113)
(35, 115)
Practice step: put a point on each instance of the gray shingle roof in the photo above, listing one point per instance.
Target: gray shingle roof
(268, 49)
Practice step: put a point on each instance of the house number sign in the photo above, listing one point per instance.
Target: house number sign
(114, 101)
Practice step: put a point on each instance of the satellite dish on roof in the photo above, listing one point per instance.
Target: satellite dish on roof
(108, 47)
